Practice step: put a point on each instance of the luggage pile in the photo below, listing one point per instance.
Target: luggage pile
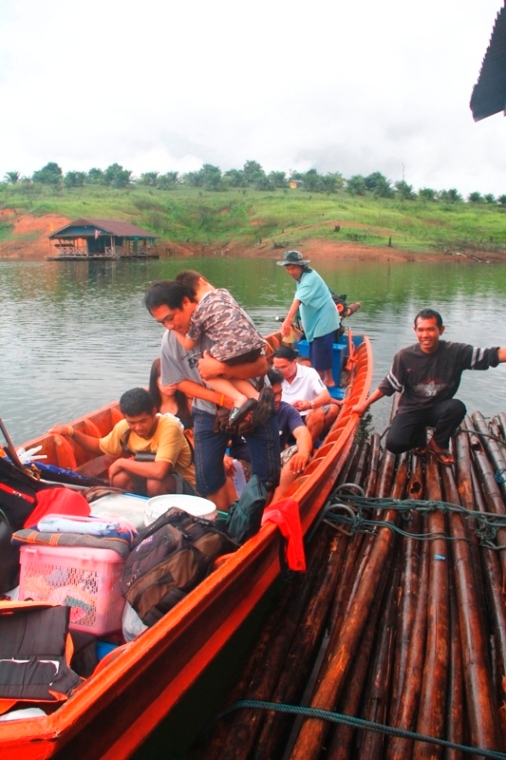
(84, 571)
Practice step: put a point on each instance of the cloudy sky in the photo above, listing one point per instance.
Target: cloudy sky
(351, 86)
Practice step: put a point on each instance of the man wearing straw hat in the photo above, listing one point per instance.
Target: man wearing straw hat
(427, 375)
(318, 312)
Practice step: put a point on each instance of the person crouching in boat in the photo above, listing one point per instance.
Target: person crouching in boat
(427, 375)
(303, 388)
(157, 458)
(294, 456)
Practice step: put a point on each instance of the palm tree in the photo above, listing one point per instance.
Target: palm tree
(12, 177)
(427, 194)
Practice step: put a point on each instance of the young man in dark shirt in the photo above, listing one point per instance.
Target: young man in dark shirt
(427, 375)
(295, 440)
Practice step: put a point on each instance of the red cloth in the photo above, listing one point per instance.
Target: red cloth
(285, 513)
(57, 501)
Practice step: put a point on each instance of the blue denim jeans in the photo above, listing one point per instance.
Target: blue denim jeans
(210, 447)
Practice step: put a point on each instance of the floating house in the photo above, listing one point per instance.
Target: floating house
(102, 239)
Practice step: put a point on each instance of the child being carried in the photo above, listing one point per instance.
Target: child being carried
(235, 341)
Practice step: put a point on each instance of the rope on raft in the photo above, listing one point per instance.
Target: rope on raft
(353, 508)
(499, 477)
(350, 720)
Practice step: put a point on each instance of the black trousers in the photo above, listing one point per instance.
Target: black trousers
(408, 428)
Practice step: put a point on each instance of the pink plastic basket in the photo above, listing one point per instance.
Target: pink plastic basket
(84, 578)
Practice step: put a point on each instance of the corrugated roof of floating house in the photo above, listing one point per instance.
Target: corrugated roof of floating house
(489, 93)
(87, 227)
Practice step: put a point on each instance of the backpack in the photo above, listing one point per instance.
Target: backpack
(168, 559)
(245, 515)
(35, 653)
(18, 493)
(9, 557)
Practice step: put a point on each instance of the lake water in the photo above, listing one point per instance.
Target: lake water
(75, 335)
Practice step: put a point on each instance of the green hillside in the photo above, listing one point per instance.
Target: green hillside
(277, 218)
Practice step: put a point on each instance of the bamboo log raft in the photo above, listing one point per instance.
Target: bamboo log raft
(409, 583)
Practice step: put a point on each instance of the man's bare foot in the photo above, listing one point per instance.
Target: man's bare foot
(442, 455)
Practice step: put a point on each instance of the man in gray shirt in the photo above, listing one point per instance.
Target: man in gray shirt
(169, 303)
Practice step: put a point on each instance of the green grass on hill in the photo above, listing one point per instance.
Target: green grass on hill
(283, 217)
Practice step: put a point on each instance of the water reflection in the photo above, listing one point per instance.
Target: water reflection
(75, 335)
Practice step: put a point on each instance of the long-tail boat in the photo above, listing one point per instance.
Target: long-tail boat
(138, 684)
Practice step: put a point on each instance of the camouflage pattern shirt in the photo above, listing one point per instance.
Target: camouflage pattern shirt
(219, 317)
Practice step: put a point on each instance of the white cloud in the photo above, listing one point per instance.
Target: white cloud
(350, 87)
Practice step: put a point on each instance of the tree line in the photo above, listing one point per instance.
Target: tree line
(253, 176)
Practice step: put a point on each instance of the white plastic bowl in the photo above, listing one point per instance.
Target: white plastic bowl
(194, 505)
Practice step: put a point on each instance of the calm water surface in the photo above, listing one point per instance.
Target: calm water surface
(75, 335)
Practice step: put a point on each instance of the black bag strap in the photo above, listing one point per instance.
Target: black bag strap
(165, 519)
(125, 437)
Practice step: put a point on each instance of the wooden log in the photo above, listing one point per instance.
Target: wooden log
(359, 552)
(301, 654)
(455, 713)
(342, 735)
(501, 418)
(238, 730)
(348, 574)
(401, 477)
(469, 524)
(399, 487)
(493, 580)
(372, 475)
(342, 647)
(345, 474)
(385, 475)
(410, 559)
(481, 707)
(359, 473)
(496, 595)
(495, 451)
(490, 489)
(416, 484)
(377, 695)
(455, 710)
(432, 708)
(397, 748)
(495, 428)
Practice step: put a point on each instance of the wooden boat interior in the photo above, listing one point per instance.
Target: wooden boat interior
(135, 686)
